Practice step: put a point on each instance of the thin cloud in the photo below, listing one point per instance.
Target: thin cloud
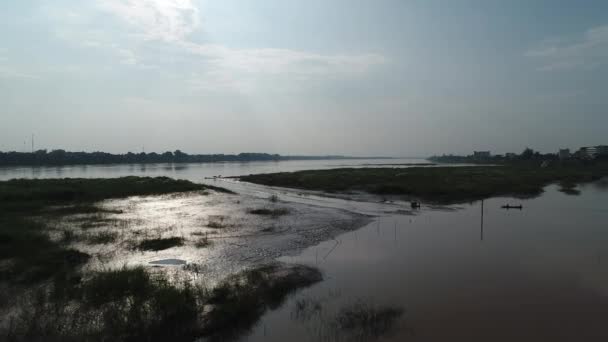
(172, 21)
(587, 51)
(8, 71)
(167, 20)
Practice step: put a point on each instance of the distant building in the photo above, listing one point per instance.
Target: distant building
(591, 152)
(481, 154)
(511, 155)
(601, 150)
(564, 153)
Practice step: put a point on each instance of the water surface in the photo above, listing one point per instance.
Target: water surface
(539, 274)
(196, 172)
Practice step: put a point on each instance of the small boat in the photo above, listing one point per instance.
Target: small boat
(508, 206)
(415, 205)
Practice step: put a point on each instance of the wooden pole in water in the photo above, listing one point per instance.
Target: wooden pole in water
(395, 232)
(481, 234)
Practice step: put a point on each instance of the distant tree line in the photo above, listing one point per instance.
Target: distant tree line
(528, 155)
(62, 157)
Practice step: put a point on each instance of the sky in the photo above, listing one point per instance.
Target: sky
(351, 77)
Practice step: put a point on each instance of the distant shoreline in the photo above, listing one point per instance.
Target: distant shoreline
(64, 158)
(439, 185)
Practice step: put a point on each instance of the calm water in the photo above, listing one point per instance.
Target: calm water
(195, 172)
(539, 274)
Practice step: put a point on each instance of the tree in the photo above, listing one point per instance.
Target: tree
(527, 154)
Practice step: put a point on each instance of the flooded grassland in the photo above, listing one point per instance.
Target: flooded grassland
(182, 261)
(258, 263)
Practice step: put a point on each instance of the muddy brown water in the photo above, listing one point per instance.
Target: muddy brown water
(537, 274)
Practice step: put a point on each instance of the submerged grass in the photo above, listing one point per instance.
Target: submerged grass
(437, 184)
(202, 242)
(57, 302)
(160, 244)
(27, 204)
(269, 212)
(240, 300)
(127, 304)
(133, 304)
(102, 238)
(356, 321)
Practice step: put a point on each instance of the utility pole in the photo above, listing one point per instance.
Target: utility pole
(32, 143)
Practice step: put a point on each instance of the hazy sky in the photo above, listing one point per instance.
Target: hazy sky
(407, 78)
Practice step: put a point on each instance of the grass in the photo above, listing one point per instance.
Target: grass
(269, 212)
(33, 255)
(27, 205)
(239, 301)
(160, 244)
(364, 321)
(128, 304)
(58, 302)
(102, 238)
(36, 193)
(217, 222)
(202, 242)
(133, 304)
(440, 184)
(356, 321)
(274, 198)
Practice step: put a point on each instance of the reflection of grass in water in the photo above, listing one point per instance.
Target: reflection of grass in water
(363, 320)
(359, 321)
(569, 188)
(241, 299)
(159, 244)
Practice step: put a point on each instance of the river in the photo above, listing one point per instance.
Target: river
(470, 272)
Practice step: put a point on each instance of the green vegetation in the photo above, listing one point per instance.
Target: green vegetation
(241, 299)
(102, 238)
(217, 222)
(36, 193)
(160, 243)
(62, 157)
(57, 301)
(133, 304)
(437, 184)
(118, 305)
(26, 205)
(202, 242)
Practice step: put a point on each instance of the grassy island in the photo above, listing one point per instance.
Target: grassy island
(438, 184)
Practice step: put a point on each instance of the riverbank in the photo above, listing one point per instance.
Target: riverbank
(147, 258)
(445, 185)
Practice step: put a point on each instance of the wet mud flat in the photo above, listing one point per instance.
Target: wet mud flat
(209, 235)
(199, 262)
